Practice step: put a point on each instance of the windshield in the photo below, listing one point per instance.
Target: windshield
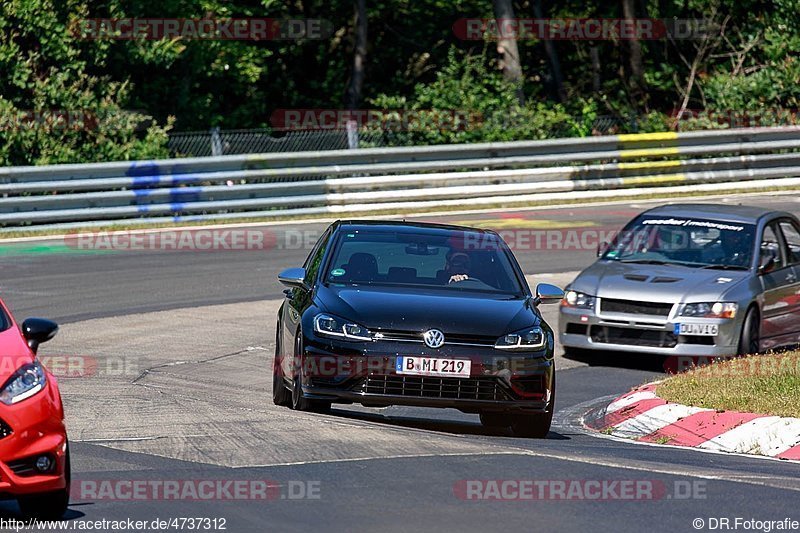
(686, 241)
(424, 260)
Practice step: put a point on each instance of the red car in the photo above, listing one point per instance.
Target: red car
(34, 454)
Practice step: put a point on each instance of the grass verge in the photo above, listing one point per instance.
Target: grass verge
(762, 384)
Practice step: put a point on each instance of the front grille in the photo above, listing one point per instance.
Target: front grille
(449, 338)
(23, 468)
(636, 337)
(429, 387)
(698, 339)
(576, 329)
(632, 307)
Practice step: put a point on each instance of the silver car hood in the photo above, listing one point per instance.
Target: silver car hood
(656, 283)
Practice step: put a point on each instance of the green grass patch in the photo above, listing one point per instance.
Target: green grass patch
(26, 249)
(764, 384)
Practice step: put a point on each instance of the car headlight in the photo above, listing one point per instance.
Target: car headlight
(710, 310)
(27, 381)
(526, 339)
(331, 326)
(578, 300)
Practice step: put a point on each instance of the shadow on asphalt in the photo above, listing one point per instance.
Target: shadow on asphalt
(655, 363)
(10, 511)
(441, 426)
(649, 363)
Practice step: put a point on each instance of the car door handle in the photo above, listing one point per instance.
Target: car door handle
(791, 278)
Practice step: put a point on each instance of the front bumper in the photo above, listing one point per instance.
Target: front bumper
(587, 329)
(365, 373)
(36, 428)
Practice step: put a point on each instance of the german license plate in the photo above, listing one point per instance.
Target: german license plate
(429, 366)
(700, 330)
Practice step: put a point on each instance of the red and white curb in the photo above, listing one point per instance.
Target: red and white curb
(642, 416)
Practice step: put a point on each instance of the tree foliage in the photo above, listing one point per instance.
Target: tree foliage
(130, 93)
(54, 105)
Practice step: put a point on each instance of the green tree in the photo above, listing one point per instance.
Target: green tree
(53, 107)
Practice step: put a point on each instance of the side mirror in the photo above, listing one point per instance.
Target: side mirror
(38, 330)
(548, 294)
(293, 277)
(766, 265)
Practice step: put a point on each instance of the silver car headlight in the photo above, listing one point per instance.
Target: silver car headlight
(523, 340)
(26, 382)
(710, 310)
(331, 326)
(578, 300)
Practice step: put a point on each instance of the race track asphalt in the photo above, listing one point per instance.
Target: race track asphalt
(204, 413)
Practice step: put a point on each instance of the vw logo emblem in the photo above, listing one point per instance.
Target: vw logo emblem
(433, 338)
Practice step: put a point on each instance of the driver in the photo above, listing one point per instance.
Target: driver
(457, 266)
(736, 247)
(733, 248)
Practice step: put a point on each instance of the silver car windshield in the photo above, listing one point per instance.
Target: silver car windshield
(691, 242)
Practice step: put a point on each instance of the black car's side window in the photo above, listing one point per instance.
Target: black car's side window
(791, 236)
(771, 250)
(314, 259)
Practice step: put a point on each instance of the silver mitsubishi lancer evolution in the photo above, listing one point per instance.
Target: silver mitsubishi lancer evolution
(690, 280)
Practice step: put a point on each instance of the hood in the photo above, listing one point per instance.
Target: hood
(656, 283)
(390, 309)
(14, 353)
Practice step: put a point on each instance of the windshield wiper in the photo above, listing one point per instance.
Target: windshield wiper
(654, 262)
(725, 267)
(644, 261)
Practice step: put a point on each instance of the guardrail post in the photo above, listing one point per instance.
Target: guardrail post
(216, 142)
(634, 123)
(352, 134)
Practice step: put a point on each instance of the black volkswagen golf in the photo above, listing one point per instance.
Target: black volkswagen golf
(391, 313)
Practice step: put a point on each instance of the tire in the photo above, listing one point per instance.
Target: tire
(320, 406)
(536, 425)
(495, 420)
(751, 332)
(280, 394)
(298, 401)
(49, 505)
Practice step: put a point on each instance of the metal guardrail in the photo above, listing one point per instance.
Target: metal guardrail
(270, 185)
